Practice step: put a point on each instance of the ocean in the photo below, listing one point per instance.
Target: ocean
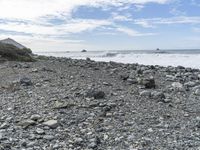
(186, 58)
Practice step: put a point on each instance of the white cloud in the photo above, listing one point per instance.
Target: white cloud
(30, 20)
(132, 32)
(173, 20)
(75, 26)
(33, 9)
(39, 43)
(119, 17)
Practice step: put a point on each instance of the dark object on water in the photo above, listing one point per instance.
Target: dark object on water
(158, 51)
(84, 51)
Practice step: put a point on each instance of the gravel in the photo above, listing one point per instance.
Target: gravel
(66, 104)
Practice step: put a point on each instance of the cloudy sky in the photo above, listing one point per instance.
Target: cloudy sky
(66, 25)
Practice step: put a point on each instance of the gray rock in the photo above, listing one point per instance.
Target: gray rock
(177, 85)
(25, 81)
(56, 146)
(190, 84)
(197, 92)
(51, 123)
(35, 117)
(92, 145)
(145, 93)
(132, 75)
(39, 131)
(96, 94)
(4, 125)
(170, 78)
(158, 95)
(48, 137)
(167, 100)
(23, 143)
(31, 144)
(27, 123)
(78, 140)
(132, 81)
(148, 83)
(2, 136)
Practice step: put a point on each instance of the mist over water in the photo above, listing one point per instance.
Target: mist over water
(186, 58)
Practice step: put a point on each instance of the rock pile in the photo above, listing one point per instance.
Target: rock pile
(65, 104)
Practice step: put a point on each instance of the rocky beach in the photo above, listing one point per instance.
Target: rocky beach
(67, 104)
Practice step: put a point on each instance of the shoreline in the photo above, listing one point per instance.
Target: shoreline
(162, 59)
(64, 103)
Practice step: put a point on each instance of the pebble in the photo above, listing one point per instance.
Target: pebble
(4, 125)
(197, 92)
(39, 131)
(26, 123)
(35, 117)
(48, 137)
(158, 95)
(177, 85)
(51, 123)
(25, 81)
(124, 114)
(145, 93)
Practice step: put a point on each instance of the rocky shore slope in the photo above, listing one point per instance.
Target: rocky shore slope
(65, 104)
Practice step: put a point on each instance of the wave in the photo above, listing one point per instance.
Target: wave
(162, 58)
(110, 54)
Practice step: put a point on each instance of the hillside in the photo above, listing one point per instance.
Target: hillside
(11, 52)
(12, 42)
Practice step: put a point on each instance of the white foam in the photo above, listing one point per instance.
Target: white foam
(186, 60)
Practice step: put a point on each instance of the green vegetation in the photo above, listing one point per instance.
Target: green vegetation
(10, 52)
(41, 57)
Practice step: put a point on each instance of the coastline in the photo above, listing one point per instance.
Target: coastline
(186, 58)
(63, 103)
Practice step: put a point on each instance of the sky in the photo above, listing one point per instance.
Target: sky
(73, 25)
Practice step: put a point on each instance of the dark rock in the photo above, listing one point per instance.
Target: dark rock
(95, 94)
(26, 81)
(124, 76)
(158, 95)
(132, 81)
(149, 83)
(84, 51)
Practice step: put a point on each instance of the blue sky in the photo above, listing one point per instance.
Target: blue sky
(66, 25)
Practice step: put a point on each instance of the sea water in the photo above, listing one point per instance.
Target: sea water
(186, 58)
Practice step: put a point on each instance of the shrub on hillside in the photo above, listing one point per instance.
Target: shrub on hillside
(10, 52)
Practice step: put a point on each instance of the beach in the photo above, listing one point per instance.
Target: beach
(70, 104)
